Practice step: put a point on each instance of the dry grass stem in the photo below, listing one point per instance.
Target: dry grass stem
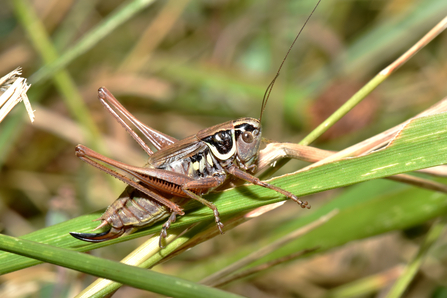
(14, 88)
(277, 151)
(435, 31)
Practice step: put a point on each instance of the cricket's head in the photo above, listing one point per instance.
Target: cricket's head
(239, 138)
(248, 139)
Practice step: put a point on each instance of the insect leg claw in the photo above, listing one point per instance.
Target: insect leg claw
(164, 229)
(218, 223)
(303, 204)
(220, 227)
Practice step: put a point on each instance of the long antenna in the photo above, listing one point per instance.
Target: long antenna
(270, 86)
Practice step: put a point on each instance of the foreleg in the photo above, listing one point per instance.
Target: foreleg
(235, 171)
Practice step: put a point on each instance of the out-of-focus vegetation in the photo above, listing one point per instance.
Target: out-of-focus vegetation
(181, 66)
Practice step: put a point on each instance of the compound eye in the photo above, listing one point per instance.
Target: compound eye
(247, 137)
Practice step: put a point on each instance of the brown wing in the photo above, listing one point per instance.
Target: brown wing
(186, 147)
(177, 151)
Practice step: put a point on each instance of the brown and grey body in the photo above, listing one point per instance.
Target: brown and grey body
(192, 159)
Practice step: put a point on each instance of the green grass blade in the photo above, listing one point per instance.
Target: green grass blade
(126, 274)
(103, 287)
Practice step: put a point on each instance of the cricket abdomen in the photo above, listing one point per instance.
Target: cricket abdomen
(132, 209)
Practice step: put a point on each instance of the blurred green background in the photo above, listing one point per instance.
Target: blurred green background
(181, 66)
